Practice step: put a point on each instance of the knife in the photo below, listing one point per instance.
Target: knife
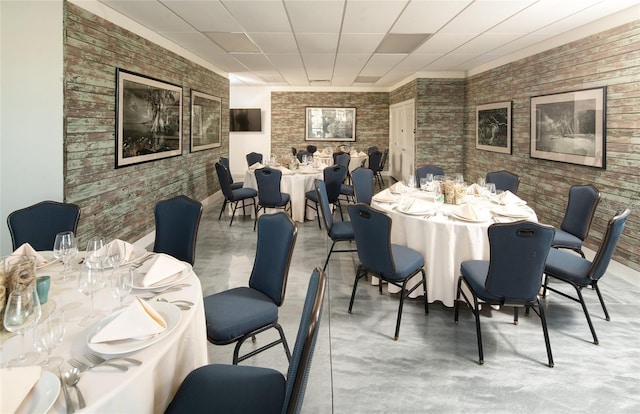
(67, 397)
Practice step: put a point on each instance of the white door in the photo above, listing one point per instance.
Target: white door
(402, 139)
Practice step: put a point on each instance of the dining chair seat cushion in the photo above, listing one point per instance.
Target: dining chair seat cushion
(230, 389)
(242, 193)
(475, 273)
(233, 313)
(237, 185)
(407, 261)
(568, 266)
(566, 239)
(312, 195)
(342, 230)
(346, 189)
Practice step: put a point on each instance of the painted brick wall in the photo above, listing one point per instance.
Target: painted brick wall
(120, 202)
(610, 59)
(288, 118)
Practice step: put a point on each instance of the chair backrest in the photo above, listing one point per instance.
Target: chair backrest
(333, 177)
(224, 161)
(383, 163)
(421, 172)
(253, 157)
(372, 149)
(335, 156)
(323, 200)
(38, 224)
(504, 180)
(518, 252)
(362, 179)
(583, 200)
(608, 246)
(372, 232)
(268, 180)
(224, 177)
(375, 161)
(177, 222)
(300, 154)
(277, 235)
(311, 149)
(294, 151)
(302, 355)
(343, 159)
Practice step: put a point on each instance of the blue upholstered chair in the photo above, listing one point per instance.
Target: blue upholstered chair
(333, 177)
(583, 200)
(253, 157)
(511, 277)
(177, 222)
(372, 149)
(346, 189)
(580, 273)
(421, 172)
(234, 196)
(504, 180)
(338, 231)
(225, 163)
(389, 262)
(362, 185)
(301, 154)
(269, 195)
(38, 224)
(238, 314)
(375, 165)
(294, 151)
(312, 149)
(250, 389)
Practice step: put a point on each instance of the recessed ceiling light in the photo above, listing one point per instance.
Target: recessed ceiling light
(401, 42)
(233, 42)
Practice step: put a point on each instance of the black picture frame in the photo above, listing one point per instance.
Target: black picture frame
(206, 121)
(148, 119)
(570, 127)
(330, 124)
(493, 127)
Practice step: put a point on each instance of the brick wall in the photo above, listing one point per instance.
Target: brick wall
(288, 119)
(120, 202)
(610, 59)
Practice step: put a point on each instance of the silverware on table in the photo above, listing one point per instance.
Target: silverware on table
(85, 367)
(67, 398)
(71, 378)
(98, 360)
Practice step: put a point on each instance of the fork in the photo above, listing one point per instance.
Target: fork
(84, 367)
(137, 264)
(98, 360)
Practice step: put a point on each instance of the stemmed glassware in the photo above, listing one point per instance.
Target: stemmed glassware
(90, 281)
(47, 335)
(121, 284)
(116, 252)
(95, 252)
(411, 181)
(21, 312)
(65, 248)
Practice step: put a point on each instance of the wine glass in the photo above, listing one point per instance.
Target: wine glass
(439, 199)
(116, 253)
(47, 335)
(491, 189)
(121, 285)
(95, 252)
(411, 181)
(65, 248)
(90, 281)
(21, 312)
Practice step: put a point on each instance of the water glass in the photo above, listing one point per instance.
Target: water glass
(116, 252)
(65, 248)
(47, 335)
(90, 281)
(411, 181)
(95, 252)
(121, 285)
(21, 312)
(491, 189)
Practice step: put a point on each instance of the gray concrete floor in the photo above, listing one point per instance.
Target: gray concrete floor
(433, 367)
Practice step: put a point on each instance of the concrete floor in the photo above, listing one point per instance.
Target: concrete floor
(433, 367)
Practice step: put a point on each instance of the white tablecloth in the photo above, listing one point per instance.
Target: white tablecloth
(444, 242)
(355, 162)
(145, 389)
(296, 185)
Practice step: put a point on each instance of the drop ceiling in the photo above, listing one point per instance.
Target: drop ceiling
(349, 43)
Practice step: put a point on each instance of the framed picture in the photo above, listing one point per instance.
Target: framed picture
(330, 124)
(148, 119)
(570, 127)
(206, 129)
(493, 127)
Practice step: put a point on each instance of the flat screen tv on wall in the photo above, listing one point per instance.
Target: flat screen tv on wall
(245, 119)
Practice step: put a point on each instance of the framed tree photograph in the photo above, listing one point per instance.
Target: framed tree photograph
(570, 127)
(493, 127)
(330, 124)
(206, 125)
(148, 119)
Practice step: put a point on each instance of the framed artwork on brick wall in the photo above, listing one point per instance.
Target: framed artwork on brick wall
(493, 127)
(206, 117)
(570, 127)
(330, 124)
(148, 119)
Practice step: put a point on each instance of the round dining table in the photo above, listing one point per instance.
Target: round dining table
(356, 159)
(443, 234)
(166, 360)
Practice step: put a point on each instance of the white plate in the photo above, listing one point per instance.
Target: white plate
(501, 211)
(138, 254)
(415, 213)
(512, 203)
(168, 311)
(42, 396)
(138, 277)
(49, 257)
(463, 218)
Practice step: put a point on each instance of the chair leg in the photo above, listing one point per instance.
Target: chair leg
(545, 331)
(285, 345)
(318, 216)
(328, 256)
(224, 204)
(403, 295)
(515, 316)
(586, 313)
(424, 287)
(235, 207)
(360, 272)
(476, 313)
(456, 305)
(604, 308)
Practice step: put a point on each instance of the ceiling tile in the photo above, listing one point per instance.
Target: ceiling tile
(317, 43)
(378, 65)
(205, 16)
(315, 16)
(427, 16)
(318, 66)
(359, 43)
(444, 42)
(371, 16)
(483, 15)
(259, 16)
(275, 42)
(151, 14)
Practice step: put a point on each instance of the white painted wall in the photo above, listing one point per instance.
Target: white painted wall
(31, 106)
(242, 143)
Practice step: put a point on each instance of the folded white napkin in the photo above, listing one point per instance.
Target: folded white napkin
(475, 189)
(27, 250)
(384, 197)
(514, 210)
(468, 211)
(417, 206)
(255, 166)
(397, 188)
(138, 320)
(507, 197)
(362, 154)
(285, 170)
(424, 195)
(161, 269)
(17, 382)
(126, 249)
(322, 165)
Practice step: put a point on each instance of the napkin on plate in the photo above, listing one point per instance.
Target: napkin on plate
(512, 210)
(384, 197)
(138, 320)
(469, 212)
(161, 269)
(417, 206)
(475, 189)
(285, 170)
(27, 250)
(507, 197)
(126, 249)
(255, 166)
(17, 382)
(397, 188)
